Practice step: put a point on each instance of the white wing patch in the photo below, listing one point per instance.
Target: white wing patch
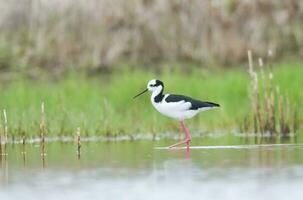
(177, 110)
(178, 106)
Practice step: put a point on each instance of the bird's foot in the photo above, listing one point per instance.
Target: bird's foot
(186, 141)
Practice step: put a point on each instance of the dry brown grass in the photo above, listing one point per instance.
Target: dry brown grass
(78, 142)
(271, 112)
(4, 135)
(98, 34)
(43, 131)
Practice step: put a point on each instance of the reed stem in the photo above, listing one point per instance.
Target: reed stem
(43, 131)
(5, 139)
(78, 143)
(271, 111)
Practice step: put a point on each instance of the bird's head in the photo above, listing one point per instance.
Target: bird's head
(154, 86)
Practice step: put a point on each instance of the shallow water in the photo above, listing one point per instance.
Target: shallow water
(214, 168)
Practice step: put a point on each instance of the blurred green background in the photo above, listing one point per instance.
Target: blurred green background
(87, 59)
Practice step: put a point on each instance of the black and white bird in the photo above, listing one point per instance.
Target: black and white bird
(178, 107)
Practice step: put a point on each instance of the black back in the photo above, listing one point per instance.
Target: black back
(195, 104)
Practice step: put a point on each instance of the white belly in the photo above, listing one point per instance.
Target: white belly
(178, 110)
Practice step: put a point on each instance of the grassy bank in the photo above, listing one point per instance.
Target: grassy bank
(103, 105)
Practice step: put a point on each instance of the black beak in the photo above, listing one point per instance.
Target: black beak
(141, 93)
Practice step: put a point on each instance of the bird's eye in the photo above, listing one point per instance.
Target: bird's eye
(151, 85)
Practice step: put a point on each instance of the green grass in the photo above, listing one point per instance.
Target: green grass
(104, 105)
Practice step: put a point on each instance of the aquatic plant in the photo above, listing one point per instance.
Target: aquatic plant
(42, 127)
(270, 109)
(78, 142)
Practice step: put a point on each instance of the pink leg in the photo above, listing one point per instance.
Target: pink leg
(187, 138)
(187, 152)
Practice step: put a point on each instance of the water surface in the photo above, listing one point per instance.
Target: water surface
(215, 168)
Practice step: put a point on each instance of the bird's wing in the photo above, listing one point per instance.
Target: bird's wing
(177, 102)
(194, 104)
